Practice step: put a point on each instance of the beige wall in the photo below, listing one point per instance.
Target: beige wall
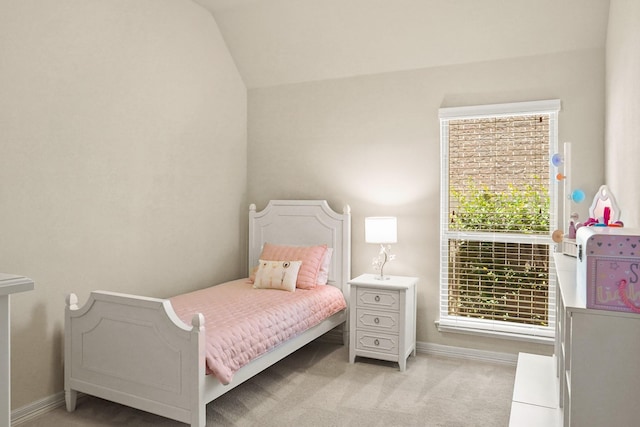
(373, 142)
(623, 108)
(123, 162)
(292, 41)
(125, 157)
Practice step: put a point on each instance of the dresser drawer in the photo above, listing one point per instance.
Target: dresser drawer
(385, 321)
(373, 341)
(378, 298)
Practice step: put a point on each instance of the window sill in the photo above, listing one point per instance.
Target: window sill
(546, 340)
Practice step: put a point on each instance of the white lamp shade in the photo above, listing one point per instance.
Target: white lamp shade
(381, 229)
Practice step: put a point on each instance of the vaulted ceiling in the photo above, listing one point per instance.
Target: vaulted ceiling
(278, 42)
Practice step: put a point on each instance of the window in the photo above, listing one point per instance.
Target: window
(498, 207)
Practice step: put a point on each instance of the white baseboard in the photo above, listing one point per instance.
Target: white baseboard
(37, 408)
(467, 353)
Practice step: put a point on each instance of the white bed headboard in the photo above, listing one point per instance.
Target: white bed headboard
(304, 223)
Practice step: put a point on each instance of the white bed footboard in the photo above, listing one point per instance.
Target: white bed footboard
(135, 351)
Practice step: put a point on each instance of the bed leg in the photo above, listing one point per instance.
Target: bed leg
(199, 420)
(199, 406)
(71, 396)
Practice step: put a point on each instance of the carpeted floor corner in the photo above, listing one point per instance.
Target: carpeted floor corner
(316, 386)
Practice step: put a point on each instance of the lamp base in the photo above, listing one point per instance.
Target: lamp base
(382, 259)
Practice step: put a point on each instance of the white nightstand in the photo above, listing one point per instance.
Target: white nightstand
(383, 318)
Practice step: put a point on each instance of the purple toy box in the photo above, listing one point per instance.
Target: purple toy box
(608, 276)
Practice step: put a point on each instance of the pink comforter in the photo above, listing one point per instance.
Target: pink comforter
(241, 323)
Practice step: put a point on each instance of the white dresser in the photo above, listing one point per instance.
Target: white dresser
(383, 318)
(594, 378)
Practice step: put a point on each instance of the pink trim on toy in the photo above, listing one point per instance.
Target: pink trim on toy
(622, 291)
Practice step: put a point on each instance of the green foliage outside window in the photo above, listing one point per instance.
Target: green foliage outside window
(519, 210)
(500, 280)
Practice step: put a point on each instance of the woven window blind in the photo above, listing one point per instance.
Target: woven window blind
(497, 209)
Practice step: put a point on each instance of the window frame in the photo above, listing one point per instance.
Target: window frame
(496, 328)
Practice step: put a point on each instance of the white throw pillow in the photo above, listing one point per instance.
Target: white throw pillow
(277, 275)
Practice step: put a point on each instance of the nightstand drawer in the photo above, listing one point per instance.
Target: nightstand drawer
(384, 321)
(373, 341)
(378, 298)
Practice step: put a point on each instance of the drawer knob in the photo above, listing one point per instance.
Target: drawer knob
(376, 320)
(377, 298)
(376, 342)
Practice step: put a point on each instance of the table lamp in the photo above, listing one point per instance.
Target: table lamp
(382, 230)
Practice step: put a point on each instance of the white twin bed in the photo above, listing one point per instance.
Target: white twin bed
(165, 357)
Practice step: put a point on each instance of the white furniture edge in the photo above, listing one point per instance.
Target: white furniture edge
(9, 284)
(135, 351)
(546, 387)
(535, 390)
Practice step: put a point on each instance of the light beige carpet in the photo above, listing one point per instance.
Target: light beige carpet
(316, 386)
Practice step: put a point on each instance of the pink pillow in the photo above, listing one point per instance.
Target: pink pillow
(323, 273)
(311, 257)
